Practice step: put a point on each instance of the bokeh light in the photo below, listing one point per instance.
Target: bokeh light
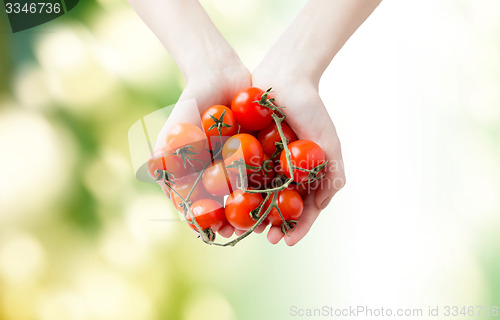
(34, 166)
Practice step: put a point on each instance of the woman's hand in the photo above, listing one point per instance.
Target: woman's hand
(217, 86)
(205, 89)
(308, 117)
(293, 67)
(211, 67)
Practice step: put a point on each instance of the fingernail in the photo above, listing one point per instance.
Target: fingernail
(325, 203)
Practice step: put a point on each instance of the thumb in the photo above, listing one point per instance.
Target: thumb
(185, 110)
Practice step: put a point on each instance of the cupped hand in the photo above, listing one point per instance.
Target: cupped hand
(307, 116)
(211, 87)
(305, 112)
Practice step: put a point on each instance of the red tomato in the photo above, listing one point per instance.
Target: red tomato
(198, 161)
(290, 204)
(164, 160)
(248, 113)
(305, 188)
(227, 125)
(176, 201)
(270, 135)
(238, 207)
(185, 134)
(183, 187)
(208, 214)
(305, 154)
(243, 130)
(301, 188)
(277, 167)
(243, 147)
(217, 180)
(262, 179)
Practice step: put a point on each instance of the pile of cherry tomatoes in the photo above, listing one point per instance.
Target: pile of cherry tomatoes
(244, 166)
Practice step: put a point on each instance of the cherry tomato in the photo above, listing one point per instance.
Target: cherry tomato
(262, 179)
(217, 180)
(270, 135)
(278, 168)
(176, 201)
(238, 207)
(186, 135)
(208, 214)
(183, 187)
(198, 161)
(301, 188)
(248, 113)
(243, 130)
(242, 147)
(226, 123)
(164, 160)
(290, 204)
(305, 188)
(305, 154)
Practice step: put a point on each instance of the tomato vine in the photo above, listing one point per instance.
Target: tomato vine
(271, 193)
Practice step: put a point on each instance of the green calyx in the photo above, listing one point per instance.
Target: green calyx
(219, 123)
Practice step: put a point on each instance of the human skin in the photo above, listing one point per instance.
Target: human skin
(293, 67)
(213, 71)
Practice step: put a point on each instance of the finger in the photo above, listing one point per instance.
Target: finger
(226, 231)
(239, 232)
(260, 228)
(184, 111)
(304, 223)
(274, 235)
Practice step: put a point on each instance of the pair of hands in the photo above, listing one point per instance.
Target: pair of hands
(293, 68)
(305, 113)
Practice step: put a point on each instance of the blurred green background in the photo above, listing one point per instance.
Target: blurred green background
(415, 96)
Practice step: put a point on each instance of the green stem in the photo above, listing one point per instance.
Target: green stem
(196, 182)
(288, 156)
(283, 218)
(185, 201)
(190, 212)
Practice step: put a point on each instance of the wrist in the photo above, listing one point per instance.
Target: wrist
(284, 74)
(220, 61)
